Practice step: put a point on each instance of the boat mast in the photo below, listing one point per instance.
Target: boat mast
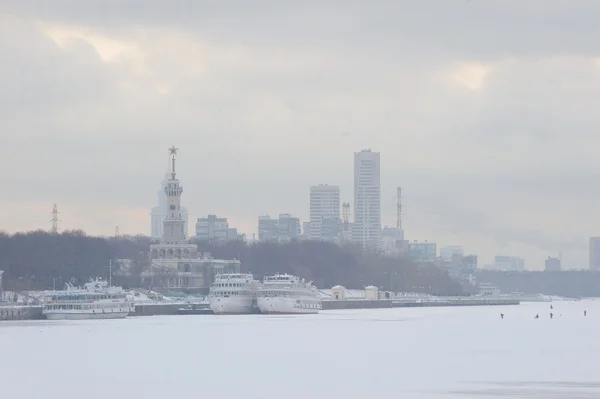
(110, 272)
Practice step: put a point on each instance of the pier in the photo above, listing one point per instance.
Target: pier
(394, 303)
(20, 312)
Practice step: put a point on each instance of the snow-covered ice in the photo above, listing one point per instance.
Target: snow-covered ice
(396, 353)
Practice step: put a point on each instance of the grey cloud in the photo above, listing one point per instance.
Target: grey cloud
(460, 27)
(262, 121)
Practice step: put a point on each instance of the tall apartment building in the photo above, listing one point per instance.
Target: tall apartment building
(552, 264)
(595, 253)
(324, 212)
(366, 230)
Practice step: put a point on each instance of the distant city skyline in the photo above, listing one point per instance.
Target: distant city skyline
(491, 136)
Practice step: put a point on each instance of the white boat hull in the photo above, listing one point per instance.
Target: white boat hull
(231, 305)
(281, 305)
(84, 315)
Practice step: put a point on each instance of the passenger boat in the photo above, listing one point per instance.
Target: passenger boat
(233, 293)
(288, 294)
(96, 300)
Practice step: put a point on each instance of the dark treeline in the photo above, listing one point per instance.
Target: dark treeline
(328, 265)
(35, 260)
(571, 284)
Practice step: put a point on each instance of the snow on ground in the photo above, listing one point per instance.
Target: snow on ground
(467, 352)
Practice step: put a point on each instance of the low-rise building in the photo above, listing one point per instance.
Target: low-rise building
(447, 252)
(283, 229)
(422, 251)
(214, 229)
(503, 262)
(288, 227)
(392, 242)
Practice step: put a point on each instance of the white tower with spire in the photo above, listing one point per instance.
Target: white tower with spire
(174, 225)
(159, 213)
(174, 260)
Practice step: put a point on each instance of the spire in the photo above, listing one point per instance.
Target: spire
(173, 152)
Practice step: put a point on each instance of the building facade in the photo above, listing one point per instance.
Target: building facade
(595, 253)
(305, 230)
(503, 262)
(392, 242)
(552, 265)
(288, 228)
(324, 208)
(422, 251)
(366, 230)
(283, 229)
(448, 252)
(215, 229)
(268, 229)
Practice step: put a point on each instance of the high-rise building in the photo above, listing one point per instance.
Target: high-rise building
(324, 212)
(595, 253)
(366, 230)
(159, 212)
(552, 264)
(215, 229)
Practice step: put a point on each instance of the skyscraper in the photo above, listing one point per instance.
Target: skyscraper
(324, 206)
(366, 229)
(595, 253)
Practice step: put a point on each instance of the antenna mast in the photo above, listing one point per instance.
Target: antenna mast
(54, 220)
(399, 209)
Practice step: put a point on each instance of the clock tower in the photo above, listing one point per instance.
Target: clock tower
(175, 263)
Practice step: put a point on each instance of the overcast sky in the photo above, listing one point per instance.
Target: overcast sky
(485, 112)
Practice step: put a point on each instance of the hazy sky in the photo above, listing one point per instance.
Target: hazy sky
(485, 112)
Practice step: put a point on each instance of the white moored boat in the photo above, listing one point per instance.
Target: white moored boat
(96, 300)
(233, 293)
(287, 294)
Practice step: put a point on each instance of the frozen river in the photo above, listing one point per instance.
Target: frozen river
(392, 353)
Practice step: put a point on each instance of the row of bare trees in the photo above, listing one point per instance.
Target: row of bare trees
(39, 260)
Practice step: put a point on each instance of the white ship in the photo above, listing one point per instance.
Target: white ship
(233, 293)
(96, 300)
(287, 294)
